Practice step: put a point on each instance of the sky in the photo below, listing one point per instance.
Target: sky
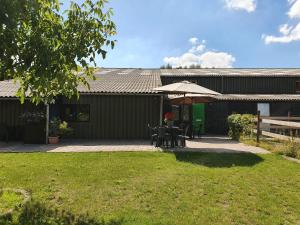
(214, 33)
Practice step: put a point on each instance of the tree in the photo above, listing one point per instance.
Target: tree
(168, 66)
(43, 48)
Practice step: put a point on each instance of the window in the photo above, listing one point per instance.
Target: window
(76, 113)
(298, 86)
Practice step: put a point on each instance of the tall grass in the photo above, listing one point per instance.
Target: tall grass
(288, 148)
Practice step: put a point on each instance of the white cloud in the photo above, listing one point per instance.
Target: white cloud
(217, 59)
(187, 59)
(289, 34)
(247, 5)
(285, 29)
(197, 56)
(193, 40)
(197, 49)
(294, 11)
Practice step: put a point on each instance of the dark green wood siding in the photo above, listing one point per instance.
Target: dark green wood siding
(11, 111)
(117, 117)
(217, 112)
(10, 116)
(242, 85)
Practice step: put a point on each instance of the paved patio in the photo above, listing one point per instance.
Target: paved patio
(204, 144)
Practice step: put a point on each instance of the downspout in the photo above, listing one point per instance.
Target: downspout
(47, 123)
(161, 110)
(222, 88)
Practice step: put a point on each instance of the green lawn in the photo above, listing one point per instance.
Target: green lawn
(9, 200)
(160, 188)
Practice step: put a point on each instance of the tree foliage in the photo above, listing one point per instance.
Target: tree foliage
(42, 48)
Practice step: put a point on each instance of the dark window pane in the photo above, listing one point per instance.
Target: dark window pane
(75, 113)
(83, 113)
(69, 113)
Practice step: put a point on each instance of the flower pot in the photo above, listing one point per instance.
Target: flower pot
(53, 140)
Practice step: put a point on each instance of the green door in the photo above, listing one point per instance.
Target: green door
(199, 118)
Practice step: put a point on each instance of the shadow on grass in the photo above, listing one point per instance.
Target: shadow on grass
(38, 214)
(219, 159)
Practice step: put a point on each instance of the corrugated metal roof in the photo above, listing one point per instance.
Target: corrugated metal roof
(117, 81)
(230, 72)
(135, 81)
(8, 89)
(142, 81)
(274, 97)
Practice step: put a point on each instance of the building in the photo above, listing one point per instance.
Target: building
(121, 102)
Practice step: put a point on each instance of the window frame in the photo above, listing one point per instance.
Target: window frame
(76, 108)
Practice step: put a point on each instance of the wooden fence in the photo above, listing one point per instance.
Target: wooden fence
(281, 124)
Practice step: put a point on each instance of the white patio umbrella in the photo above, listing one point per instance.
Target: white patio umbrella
(185, 87)
(187, 93)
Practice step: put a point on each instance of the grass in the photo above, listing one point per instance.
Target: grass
(157, 188)
(288, 148)
(9, 200)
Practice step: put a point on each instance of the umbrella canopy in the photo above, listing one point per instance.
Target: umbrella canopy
(185, 87)
(189, 99)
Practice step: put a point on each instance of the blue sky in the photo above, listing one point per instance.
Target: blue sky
(230, 33)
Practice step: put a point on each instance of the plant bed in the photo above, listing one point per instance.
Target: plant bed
(12, 199)
(286, 148)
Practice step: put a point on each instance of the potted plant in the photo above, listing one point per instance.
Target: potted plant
(54, 131)
(64, 129)
(58, 129)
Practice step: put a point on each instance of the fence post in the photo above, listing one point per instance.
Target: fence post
(258, 127)
(291, 133)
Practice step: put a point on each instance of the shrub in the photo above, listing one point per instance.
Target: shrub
(64, 129)
(240, 125)
(59, 128)
(291, 149)
(54, 127)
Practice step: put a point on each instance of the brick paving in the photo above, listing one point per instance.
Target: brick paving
(204, 144)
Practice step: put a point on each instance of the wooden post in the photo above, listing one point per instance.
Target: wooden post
(161, 105)
(47, 123)
(290, 130)
(258, 127)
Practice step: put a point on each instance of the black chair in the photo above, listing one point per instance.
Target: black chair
(174, 131)
(163, 137)
(182, 137)
(4, 135)
(153, 134)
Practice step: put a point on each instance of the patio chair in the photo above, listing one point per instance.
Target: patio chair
(164, 138)
(182, 137)
(197, 128)
(153, 134)
(174, 132)
(4, 136)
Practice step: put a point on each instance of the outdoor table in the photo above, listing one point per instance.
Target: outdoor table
(173, 131)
